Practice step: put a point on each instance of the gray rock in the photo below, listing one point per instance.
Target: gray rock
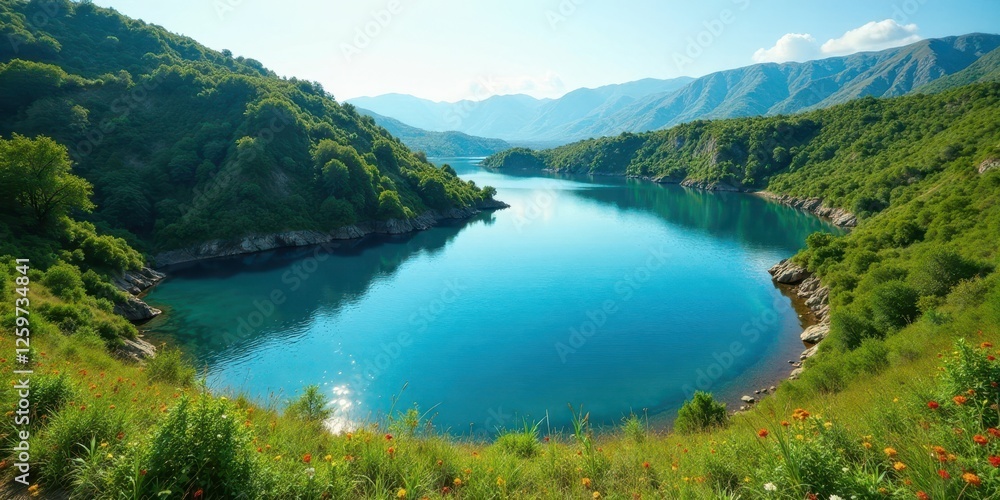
(989, 164)
(810, 352)
(796, 373)
(788, 273)
(136, 350)
(748, 399)
(815, 334)
(773, 389)
(136, 310)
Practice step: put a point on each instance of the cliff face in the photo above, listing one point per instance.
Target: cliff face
(134, 283)
(265, 242)
(838, 216)
(816, 296)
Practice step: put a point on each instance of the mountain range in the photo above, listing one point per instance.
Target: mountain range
(760, 89)
(440, 144)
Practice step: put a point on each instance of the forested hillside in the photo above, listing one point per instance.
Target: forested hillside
(184, 144)
(439, 144)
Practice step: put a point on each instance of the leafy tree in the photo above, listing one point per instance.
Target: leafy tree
(36, 175)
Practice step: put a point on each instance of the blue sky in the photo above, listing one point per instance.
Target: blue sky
(454, 49)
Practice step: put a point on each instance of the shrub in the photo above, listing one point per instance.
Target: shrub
(64, 281)
(67, 435)
(310, 406)
(701, 413)
(634, 428)
(522, 444)
(893, 306)
(170, 366)
(939, 271)
(202, 444)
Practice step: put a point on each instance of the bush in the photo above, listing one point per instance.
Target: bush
(68, 434)
(939, 271)
(64, 281)
(701, 413)
(893, 306)
(170, 366)
(310, 406)
(202, 445)
(522, 444)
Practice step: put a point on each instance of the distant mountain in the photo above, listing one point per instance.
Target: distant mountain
(761, 89)
(437, 143)
(985, 69)
(518, 117)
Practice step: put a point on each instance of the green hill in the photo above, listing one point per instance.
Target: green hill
(439, 144)
(985, 69)
(184, 144)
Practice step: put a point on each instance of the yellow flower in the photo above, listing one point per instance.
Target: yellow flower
(890, 452)
(457, 481)
(597, 495)
(585, 482)
(899, 466)
(110, 456)
(501, 482)
(328, 458)
(799, 437)
(828, 425)
(401, 493)
(104, 444)
(867, 445)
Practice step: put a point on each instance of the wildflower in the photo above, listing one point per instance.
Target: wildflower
(104, 444)
(440, 463)
(899, 466)
(445, 490)
(391, 451)
(883, 491)
(980, 439)
(110, 456)
(762, 433)
(307, 458)
(867, 445)
(944, 474)
(985, 345)
(972, 479)
(770, 487)
(33, 489)
(457, 482)
(401, 493)
(890, 452)
(939, 450)
(991, 358)
(784, 423)
(800, 414)
(994, 460)
(143, 472)
(799, 437)
(120, 435)
(993, 432)
(959, 400)
(546, 439)
(277, 458)
(388, 437)
(836, 497)
(348, 458)
(597, 494)
(198, 494)
(828, 425)
(585, 482)
(923, 496)
(501, 482)
(933, 405)
(645, 465)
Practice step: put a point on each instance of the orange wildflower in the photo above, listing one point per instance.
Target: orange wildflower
(972, 479)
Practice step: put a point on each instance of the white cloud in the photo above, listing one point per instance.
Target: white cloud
(872, 36)
(791, 47)
(876, 35)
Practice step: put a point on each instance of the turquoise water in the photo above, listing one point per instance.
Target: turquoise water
(614, 294)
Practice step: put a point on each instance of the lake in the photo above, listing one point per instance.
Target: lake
(618, 295)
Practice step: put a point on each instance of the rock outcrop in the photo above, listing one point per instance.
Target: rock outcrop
(816, 297)
(289, 239)
(712, 186)
(136, 350)
(838, 216)
(134, 283)
(989, 164)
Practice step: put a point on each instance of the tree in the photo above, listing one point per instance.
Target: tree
(701, 413)
(37, 175)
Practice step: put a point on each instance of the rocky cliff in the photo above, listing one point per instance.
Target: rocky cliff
(808, 287)
(264, 242)
(838, 216)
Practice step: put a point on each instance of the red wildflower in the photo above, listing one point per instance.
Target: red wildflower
(944, 474)
(784, 423)
(391, 450)
(959, 400)
(991, 358)
(645, 465)
(993, 432)
(923, 496)
(307, 457)
(986, 345)
(933, 405)
(143, 472)
(762, 433)
(994, 461)
(388, 437)
(980, 439)
(972, 479)
(198, 494)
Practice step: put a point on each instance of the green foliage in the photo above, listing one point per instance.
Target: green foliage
(940, 270)
(701, 413)
(65, 281)
(311, 406)
(35, 180)
(201, 445)
(184, 144)
(170, 366)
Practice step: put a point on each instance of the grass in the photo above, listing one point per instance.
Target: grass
(108, 429)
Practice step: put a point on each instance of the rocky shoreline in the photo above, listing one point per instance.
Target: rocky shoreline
(262, 243)
(838, 216)
(816, 297)
(133, 284)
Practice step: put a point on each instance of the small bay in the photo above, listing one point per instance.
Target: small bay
(619, 295)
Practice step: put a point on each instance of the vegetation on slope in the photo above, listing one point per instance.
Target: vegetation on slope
(439, 144)
(182, 143)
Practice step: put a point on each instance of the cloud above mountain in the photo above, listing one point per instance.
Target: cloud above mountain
(876, 35)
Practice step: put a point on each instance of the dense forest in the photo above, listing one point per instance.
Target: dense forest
(183, 144)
